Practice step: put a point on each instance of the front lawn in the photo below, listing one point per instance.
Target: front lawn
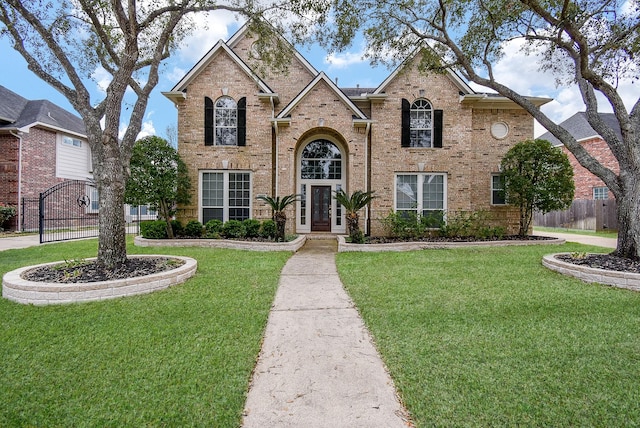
(489, 337)
(179, 357)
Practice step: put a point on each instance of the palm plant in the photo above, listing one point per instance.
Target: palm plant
(279, 206)
(352, 204)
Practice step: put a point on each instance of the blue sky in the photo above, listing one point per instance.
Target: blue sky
(516, 70)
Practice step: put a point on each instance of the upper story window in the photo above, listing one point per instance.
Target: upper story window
(71, 142)
(421, 124)
(225, 122)
(321, 160)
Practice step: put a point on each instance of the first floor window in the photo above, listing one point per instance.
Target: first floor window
(421, 194)
(600, 193)
(225, 196)
(497, 190)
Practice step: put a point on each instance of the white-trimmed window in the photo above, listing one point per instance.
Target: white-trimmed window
(71, 141)
(424, 194)
(225, 195)
(600, 193)
(497, 190)
(226, 122)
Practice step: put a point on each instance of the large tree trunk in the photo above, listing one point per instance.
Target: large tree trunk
(112, 245)
(629, 217)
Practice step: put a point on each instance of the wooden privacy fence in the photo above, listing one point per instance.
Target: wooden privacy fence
(584, 214)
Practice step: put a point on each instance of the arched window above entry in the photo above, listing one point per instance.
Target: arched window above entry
(321, 160)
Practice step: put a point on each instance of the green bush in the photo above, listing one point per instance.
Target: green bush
(251, 227)
(6, 213)
(233, 229)
(156, 229)
(408, 225)
(268, 229)
(193, 228)
(213, 228)
(177, 228)
(470, 224)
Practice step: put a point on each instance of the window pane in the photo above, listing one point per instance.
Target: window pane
(212, 213)
(406, 192)
(212, 189)
(226, 122)
(433, 192)
(497, 190)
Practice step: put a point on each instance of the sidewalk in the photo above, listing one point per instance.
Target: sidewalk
(581, 239)
(19, 241)
(318, 366)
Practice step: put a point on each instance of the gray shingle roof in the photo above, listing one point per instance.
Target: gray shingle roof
(580, 129)
(18, 112)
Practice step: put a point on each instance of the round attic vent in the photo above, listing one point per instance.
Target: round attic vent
(499, 130)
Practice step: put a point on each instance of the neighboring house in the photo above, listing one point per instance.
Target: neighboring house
(423, 143)
(588, 186)
(41, 145)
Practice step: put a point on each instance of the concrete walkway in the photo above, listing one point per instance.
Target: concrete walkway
(318, 366)
(582, 239)
(19, 241)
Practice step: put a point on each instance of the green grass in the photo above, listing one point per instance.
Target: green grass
(179, 357)
(489, 337)
(577, 231)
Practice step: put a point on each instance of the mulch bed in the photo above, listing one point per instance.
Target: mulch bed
(602, 261)
(88, 271)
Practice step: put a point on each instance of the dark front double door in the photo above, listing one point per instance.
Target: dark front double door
(321, 208)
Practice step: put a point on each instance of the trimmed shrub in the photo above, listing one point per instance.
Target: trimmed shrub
(251, 227)
(213, 228)
(233, 229)
(268, 229)
(156, 229)
(193, 228)
(6, 213)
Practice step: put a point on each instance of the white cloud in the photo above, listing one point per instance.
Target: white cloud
(208, 29)
(344, 60)
(102, 79)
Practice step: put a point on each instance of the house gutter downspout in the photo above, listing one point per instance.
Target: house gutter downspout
(275, 128)
(18, 135)
(366, 174)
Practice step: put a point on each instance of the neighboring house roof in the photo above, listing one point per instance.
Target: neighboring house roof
(579, 127)
(322, 77)
(19, 114)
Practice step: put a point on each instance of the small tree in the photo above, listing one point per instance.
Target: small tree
(352, 204)
(158, 177)
(279, 215)
(537, 176)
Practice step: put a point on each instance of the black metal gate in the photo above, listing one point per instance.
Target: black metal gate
(68, 210)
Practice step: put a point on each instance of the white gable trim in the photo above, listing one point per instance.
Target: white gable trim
(221, 46)
(321, 77)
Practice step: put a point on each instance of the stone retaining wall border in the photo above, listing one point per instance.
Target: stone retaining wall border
(293, 246)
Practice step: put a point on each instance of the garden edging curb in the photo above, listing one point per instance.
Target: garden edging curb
(293, 246)
(626, 280)
(20, 290)
(344, 246)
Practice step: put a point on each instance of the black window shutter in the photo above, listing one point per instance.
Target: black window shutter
(242, 121)
(208, 121)
(437, 128)
(406, 123)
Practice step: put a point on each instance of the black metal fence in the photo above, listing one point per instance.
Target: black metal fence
(68, 210)
(584, 214)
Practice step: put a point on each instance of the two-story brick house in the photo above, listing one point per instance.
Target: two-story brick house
(422, 142)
